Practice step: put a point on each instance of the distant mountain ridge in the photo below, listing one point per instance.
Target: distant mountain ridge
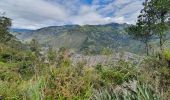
(87, 38)
(16, 30)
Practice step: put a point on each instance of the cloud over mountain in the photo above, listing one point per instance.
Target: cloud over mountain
(34, 14)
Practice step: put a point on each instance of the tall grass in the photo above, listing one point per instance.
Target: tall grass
(64, 81)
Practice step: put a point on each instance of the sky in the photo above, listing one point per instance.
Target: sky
(34, 14)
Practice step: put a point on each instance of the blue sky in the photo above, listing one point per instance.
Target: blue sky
(33, 14)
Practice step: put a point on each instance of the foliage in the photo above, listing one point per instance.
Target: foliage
(87, 39)
(5, 24)
(78, 82)
(166, 54)
(118, 74)
(156, 73)
(52, 55)
(152, 21)
(143, 92)
(24, 74)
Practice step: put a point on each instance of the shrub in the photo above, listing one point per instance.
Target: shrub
(166, 54)
(143, 92)
(26, 70)
(119, 73)
(116, 77)
(9, 90)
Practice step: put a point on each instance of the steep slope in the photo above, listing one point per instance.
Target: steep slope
(21, 34)
(88, 38)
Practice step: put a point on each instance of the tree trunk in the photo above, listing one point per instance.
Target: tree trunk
(1, 49)
(161, 45)
(161, 33)
(168, 63)
(147, 48)
(147, 45)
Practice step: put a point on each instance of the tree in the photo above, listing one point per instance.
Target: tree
(153, 20)
(52, 55)
(143, 29)
(63, 59)
(5, 24)
(35, 46)
(162, 15)
(137, 33)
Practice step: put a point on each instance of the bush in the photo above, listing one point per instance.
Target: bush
(143, 92)
(116, 77)
(65, 83)
(26, 70)
(156, 73)
(166, 54)
(9, 90)
(6, 57)
(117, 74)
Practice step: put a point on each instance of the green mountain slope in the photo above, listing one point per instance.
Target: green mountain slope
(87, 38)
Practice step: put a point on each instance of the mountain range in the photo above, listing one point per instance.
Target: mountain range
(88, 38)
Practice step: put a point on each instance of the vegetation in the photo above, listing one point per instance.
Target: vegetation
(153, 20)
(143, 28)
(87, 39)
(27, 71)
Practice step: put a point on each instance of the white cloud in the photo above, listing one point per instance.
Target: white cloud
(30, 13)
(34, 14)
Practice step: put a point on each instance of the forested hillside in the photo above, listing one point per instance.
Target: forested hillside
(88, 39)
